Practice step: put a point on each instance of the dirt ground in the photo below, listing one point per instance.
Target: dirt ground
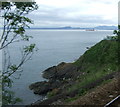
(101, 95)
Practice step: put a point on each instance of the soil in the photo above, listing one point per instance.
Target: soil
(97, 94)
(100, 95)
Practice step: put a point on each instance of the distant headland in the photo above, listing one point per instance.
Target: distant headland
(77, 28)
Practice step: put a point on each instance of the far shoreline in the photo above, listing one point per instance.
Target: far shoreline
(67, 30)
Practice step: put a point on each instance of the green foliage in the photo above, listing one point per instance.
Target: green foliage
(25, 7)
(87, 79)
(52, 93)
(29, 48)
(82, 92)
(99, 56)
(26, 37)
(8, 98)
(118, 27)
(13, 67)
(6, 82)
(112, 37)
(115, 32)
(15, 22)
(97, 62)
(7, 95)
(72, 99)
(6, 5)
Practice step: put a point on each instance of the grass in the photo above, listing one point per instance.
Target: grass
(82, 92)
(97, 62)
(102, 53)
(100, 60)
(52, 93)
(88, 78)
(72, 99)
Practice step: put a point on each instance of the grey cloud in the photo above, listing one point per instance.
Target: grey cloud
(101, 1)
(49, 16)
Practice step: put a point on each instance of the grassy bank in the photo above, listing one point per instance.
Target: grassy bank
(96, 66)
(97, 62)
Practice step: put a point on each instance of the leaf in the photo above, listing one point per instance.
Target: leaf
(13, 67)
(118, 27)
(6, 5)
(115, 32)
(29, 48)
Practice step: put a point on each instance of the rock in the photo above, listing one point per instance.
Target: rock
(40, 87)
(57, 76)
(42, 90)
(52, 71)
(34, 85)
(111, 96)
(49, 73)
(62, 63)
(62, 70)
(44, 87)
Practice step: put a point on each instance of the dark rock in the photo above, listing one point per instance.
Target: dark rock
(49, 73)
(44, 87)
(40, 87)
(37, 84)
(63, 70)
(62, 63)
(57, 76)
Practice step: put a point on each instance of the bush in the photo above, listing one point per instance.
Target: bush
(111, 38)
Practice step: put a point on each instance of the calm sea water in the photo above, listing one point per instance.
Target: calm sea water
(54, 46)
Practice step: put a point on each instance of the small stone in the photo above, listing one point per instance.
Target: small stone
(116, 92)
(111, 96)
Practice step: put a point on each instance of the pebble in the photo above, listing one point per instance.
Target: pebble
(111, 96)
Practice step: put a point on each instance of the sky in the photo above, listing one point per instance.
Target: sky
(75, 13)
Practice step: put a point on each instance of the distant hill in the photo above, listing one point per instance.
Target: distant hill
(106, 27)
(74, 28)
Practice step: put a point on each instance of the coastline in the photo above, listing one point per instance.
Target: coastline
(63, 78)
(68, 47)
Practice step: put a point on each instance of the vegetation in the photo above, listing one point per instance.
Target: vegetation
(14, 20)
(111, 38)
(97, 62)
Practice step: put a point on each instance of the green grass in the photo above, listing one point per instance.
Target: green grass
(88, 78)
(51, 93)
(102, 53)
(72, 99)
(98, 61)
(82, 92)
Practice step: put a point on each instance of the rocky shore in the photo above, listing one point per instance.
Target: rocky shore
(58, 76)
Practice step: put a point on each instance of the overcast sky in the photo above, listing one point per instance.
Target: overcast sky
(75, 13)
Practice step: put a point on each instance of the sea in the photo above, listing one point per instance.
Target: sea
(53, 47)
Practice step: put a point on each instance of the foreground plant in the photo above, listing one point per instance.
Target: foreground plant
(15, 22)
